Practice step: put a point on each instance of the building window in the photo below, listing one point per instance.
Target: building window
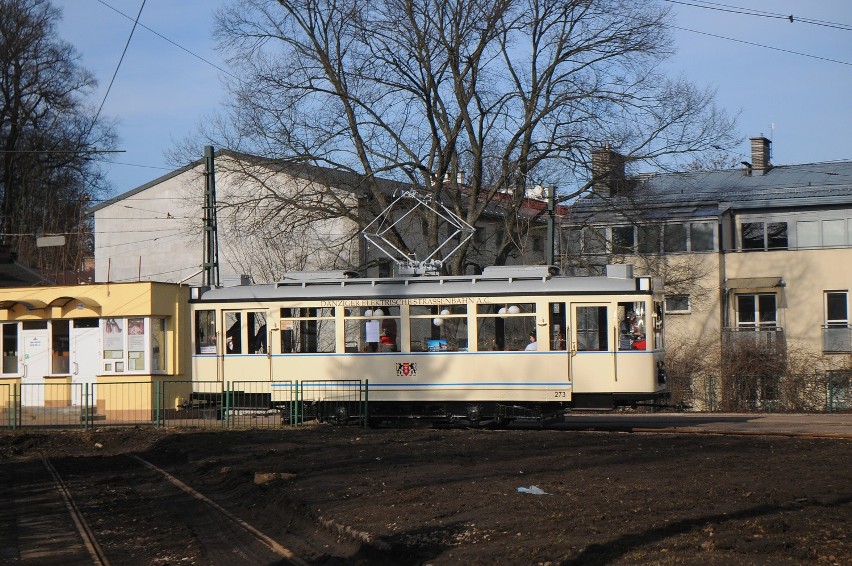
(113, 344)
(752, 235)
(571, 241)
(623, 240)
(649, 239)
(756, 311)
(538, 244)
(837, 333)
(678, 304)
(807, 234)
(836, 308)
(158, 344)
(776, 235)
(480, 235)
(833, 233)
(135, 344)
(594, 241)
(701, 237)
(764, 235)
(675, 237)
(11, 343)
(60, 362)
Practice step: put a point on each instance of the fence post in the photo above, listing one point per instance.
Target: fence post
(298, 403)
(86, 406)
(226, 418)
(158, 403)
(366, 411)
(16, 400)
(830, 392)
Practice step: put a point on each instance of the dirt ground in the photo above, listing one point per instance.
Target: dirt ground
(425, 496)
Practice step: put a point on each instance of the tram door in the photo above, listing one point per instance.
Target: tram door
(591, 356)
(245, 347)
(36, 362)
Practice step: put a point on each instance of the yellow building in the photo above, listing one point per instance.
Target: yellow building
(106, 349)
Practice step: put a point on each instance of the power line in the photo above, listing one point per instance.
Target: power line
(161, 36)
(117, 67)
(760, 13)
(764, 46)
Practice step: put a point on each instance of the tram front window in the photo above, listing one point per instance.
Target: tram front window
(205, 332)
(592, 329)
(631, 326)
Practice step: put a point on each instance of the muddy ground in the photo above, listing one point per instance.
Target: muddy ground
(425, 496)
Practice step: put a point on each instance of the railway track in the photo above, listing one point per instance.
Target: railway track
(52, 517)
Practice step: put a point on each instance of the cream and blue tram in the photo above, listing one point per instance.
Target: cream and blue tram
(512, 342)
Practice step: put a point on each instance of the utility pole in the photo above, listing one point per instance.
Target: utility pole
(551, 225)
(210, 263)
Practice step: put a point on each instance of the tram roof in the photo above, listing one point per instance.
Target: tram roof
(434, 286)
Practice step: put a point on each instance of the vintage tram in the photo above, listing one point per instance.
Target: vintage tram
(516, 341)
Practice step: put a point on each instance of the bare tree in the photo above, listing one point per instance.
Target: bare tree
(508, 92)
(47, 136)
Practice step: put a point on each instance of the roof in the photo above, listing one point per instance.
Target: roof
(709, 193)
(530, 207)
(511, 281)
(14, 274)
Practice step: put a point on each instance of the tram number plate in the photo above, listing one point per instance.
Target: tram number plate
(560, 394)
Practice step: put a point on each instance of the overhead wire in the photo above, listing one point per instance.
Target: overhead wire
(181, 47)
(719, 7)
(120, 59)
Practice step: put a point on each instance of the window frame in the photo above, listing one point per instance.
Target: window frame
(844, 300)
(687, 310)
(758, 323)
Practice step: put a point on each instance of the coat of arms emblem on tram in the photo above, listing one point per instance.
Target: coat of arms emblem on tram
(406, 369)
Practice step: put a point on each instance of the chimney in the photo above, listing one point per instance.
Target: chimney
(607, 169)
(760, 154)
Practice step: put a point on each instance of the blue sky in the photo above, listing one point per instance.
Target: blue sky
(802, 103)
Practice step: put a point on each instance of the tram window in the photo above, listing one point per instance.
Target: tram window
(205, 332)
(10, 347)
(504, 326)
(438, 328)
(557, 326)
(307, 330)
(372, 329)
(631, 326)
(591, 330)
(234, 333)
(257, 332)
(657, 319)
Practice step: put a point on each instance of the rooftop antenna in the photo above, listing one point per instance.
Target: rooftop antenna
(376, 233)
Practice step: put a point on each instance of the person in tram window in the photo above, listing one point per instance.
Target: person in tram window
(533, 345)
(626, 331)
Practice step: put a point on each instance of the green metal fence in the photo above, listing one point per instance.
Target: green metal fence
(228, 405)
